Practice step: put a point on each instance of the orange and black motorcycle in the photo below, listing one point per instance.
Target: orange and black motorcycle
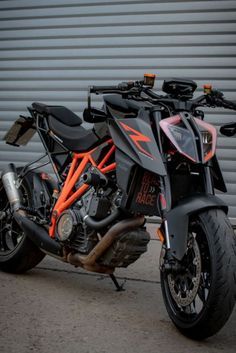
(146, 155)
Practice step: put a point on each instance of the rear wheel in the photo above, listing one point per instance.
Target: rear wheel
(200, 298)
(17, 252)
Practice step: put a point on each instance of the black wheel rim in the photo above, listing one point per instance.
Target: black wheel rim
(185, 298)
(11, 234)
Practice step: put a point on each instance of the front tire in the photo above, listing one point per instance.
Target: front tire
(200, 299)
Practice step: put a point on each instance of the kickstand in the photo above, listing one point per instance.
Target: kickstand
(119, 287)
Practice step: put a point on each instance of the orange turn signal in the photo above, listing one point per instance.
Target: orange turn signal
(149, 79)
(207, 88)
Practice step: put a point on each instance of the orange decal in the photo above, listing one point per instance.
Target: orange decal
(138, 137)
(160, 235)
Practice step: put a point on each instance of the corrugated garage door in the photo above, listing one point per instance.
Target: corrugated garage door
(50, 51)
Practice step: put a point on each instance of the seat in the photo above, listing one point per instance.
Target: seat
(62, 114)
(75, 138)
(67, 126)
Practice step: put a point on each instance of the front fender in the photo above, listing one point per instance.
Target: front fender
(178, 219)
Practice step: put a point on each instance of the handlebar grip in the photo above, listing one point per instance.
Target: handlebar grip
(94, 89)
(123, 86)
(229, 104)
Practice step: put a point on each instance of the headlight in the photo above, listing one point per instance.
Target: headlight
(183, 137)
(209, 135)
(180, 137)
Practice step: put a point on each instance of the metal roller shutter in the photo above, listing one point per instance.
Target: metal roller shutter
(50, 51)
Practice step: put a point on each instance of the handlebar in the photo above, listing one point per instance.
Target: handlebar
(216, 98)
(123, 87)
(212, 99)
(229, 104)
(98, 89)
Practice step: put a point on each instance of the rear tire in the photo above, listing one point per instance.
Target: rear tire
(18, 253)
(200, 300)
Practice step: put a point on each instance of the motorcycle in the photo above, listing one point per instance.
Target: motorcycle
(146, 155)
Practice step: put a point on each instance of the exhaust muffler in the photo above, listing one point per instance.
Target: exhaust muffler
(35, 232)
(9, 180)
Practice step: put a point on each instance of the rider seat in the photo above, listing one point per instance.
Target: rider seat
(67, 126)
(62, 114)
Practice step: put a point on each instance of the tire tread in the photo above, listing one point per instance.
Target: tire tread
(221, 300)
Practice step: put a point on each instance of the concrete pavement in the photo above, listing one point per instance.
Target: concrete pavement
(57, 308)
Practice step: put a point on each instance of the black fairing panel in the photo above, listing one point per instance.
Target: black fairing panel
(135, 138)
(116, 101)
(123, 170)
(217, 176)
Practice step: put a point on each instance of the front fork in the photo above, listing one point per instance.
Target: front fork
(164, 206)
(167, 261)
(173, 231)
(208, 181)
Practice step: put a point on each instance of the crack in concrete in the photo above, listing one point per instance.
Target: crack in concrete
(100, 277)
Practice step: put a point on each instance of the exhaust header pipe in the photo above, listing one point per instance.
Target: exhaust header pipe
(88, 262)
(9, 179)
(38, 235)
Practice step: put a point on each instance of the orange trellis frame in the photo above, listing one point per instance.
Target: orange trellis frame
(79, 162)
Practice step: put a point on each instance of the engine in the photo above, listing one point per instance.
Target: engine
(78, 237)
(72, 231)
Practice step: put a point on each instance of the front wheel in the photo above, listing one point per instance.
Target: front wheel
(200, 298)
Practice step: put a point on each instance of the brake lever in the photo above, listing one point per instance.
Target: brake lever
(214, 99)
(220, 101)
